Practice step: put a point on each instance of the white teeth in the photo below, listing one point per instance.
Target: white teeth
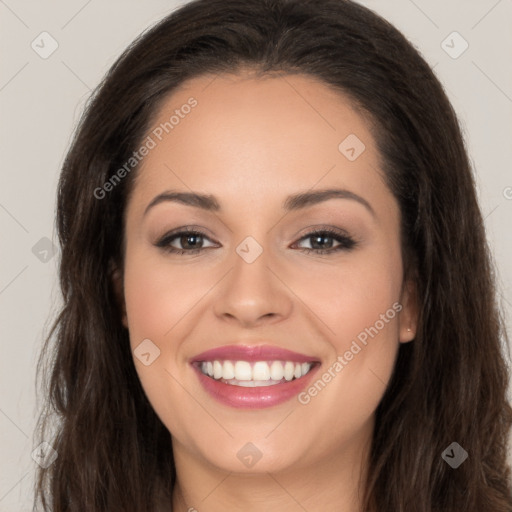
(277, 370)
(243, 370)
(245, 383)
(217, 370)
(289, 368)
(229, 370)
(253, 383)
(259, 373)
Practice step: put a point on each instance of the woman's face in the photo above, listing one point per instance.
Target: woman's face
(300, 343)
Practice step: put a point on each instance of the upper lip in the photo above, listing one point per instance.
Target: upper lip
(252, 353)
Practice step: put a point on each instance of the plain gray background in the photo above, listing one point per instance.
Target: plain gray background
(41, 100)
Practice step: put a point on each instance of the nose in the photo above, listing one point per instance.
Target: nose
(253, 293)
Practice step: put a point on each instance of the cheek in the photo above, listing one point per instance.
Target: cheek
(353, 295)
(358, 305)
(157, 294)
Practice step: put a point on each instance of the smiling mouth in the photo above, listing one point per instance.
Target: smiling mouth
(254, 373)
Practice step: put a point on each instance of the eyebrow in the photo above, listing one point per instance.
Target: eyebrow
(293, 202)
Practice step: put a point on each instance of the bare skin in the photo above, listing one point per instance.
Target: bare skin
(252, 142)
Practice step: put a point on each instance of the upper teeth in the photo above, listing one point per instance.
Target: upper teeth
(256, 371)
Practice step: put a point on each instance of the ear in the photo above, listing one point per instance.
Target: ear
(117, 283)
(408, 319)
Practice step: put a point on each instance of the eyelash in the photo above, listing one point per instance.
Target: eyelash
(346, 242)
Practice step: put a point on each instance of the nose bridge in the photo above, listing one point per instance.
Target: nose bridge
(251, 275)
(251, 290)
(252, 263)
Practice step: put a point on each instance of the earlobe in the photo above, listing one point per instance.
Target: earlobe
(408, 320)
(117, 283)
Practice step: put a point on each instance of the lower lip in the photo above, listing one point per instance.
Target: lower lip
(254, 398)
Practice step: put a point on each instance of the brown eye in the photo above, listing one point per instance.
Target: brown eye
(322, 241)
(190, 241)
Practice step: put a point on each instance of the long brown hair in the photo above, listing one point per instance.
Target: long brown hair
(449, 384)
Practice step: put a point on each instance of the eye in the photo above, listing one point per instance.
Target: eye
(322, 241)
(190, 240)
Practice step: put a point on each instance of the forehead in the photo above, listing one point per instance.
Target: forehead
(250, 138)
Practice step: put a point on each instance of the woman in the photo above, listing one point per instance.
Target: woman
(277, 289)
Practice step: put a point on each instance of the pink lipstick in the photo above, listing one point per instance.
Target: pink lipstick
(253, 376)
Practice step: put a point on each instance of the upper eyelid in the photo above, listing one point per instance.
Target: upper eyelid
(173, 234)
